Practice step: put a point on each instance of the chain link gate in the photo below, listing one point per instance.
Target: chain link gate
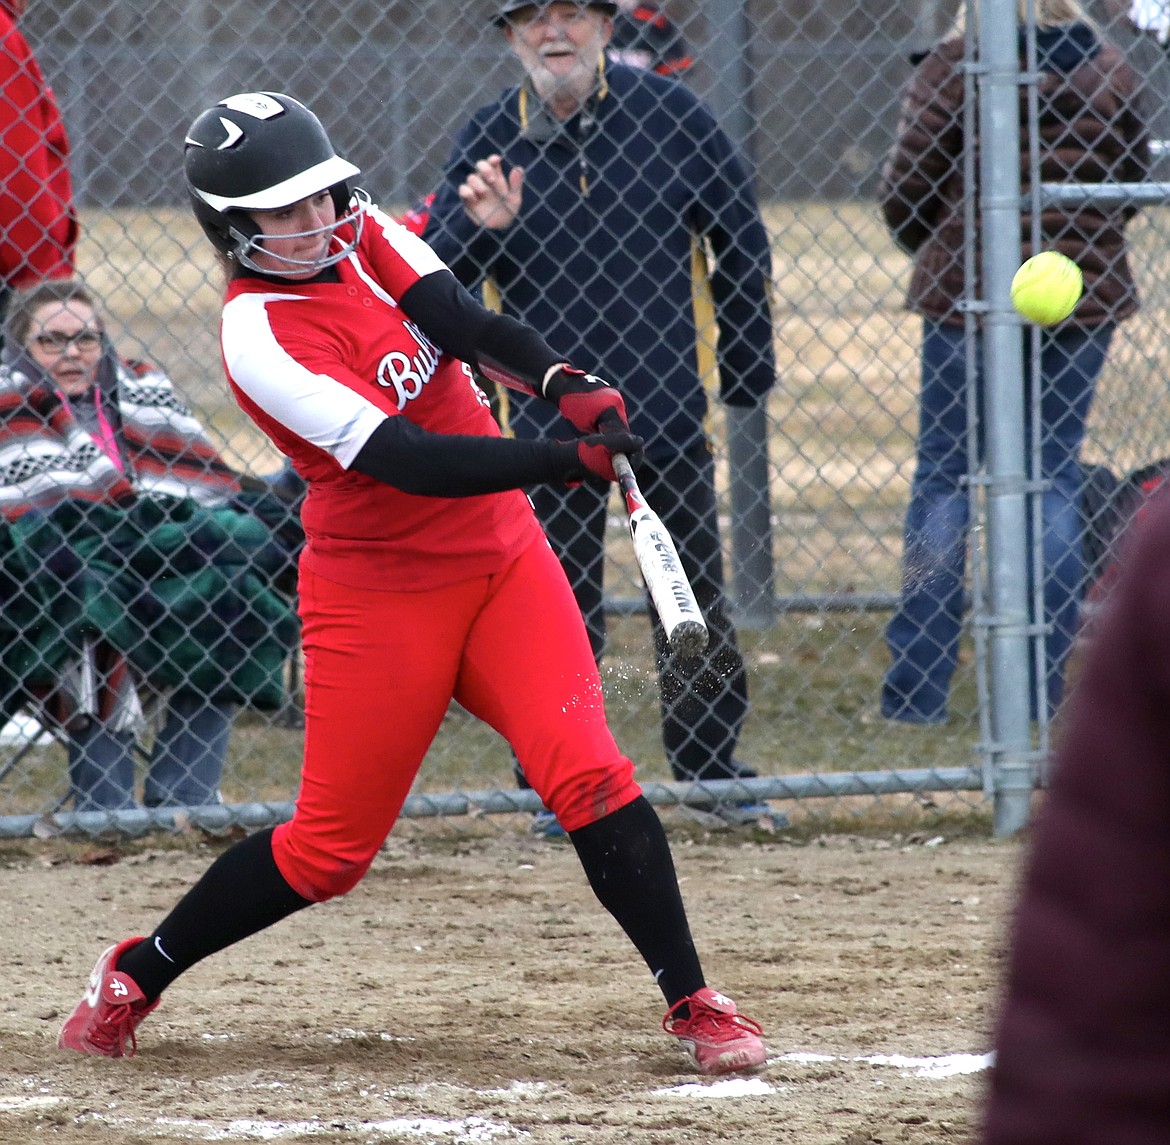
(813, 487)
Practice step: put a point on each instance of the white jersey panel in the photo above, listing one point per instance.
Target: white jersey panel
(407, 245)
(321, 410)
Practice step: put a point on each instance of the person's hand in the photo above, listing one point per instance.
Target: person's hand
(491, 198)
(596, 451)
(586, 400)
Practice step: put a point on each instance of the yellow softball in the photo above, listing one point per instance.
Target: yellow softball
(1046, 289)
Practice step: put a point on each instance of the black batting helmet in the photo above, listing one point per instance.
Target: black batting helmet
(259, 151)
(510, 6)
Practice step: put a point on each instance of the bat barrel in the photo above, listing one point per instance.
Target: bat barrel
(688, 638)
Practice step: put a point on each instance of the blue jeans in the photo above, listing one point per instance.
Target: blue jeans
(923, 635)
(186, 762)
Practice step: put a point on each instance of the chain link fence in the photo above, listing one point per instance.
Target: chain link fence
(812, 493)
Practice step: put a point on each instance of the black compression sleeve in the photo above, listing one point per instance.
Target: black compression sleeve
(627, 861)
(401, 454)
(498, 346)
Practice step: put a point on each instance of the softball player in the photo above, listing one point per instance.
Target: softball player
(425, 576)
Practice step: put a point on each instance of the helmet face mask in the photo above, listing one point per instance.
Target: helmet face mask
(262, 151)
(249, 245)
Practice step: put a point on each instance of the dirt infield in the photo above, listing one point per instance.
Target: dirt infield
(471, 990)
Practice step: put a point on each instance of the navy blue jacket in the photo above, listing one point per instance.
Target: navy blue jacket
(600, 258)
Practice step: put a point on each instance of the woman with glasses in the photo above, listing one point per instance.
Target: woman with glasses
(124, 556)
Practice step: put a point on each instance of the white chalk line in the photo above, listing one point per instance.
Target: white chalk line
(948, 1065)
(477, 1130)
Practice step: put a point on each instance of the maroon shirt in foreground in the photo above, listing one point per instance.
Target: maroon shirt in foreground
(1083, 1042)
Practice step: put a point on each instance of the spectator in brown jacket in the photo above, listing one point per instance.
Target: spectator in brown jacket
(1090, 130)
(1083, 1038)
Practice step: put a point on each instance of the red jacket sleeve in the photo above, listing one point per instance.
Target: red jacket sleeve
(38, 224)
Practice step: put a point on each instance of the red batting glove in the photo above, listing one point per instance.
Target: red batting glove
(585, 399)
(596, 451)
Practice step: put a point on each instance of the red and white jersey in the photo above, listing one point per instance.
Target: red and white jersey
(318, 366)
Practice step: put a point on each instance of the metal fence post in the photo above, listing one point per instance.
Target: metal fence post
(752, 573)
(1008, 754)
(726, 53)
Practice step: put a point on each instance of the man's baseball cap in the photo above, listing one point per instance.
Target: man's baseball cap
(510, 6)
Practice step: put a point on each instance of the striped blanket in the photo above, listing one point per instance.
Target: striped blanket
(155, 551)
(47, 456)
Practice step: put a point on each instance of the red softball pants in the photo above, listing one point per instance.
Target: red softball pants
(381, 668)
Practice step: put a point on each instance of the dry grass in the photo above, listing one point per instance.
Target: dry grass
(846, 350)
(843, 418)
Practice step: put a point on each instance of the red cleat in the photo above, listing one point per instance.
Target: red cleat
(105, 1019)
(717, 1037)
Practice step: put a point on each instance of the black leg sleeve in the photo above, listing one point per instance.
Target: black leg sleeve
(241, 893)
(629, 866)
